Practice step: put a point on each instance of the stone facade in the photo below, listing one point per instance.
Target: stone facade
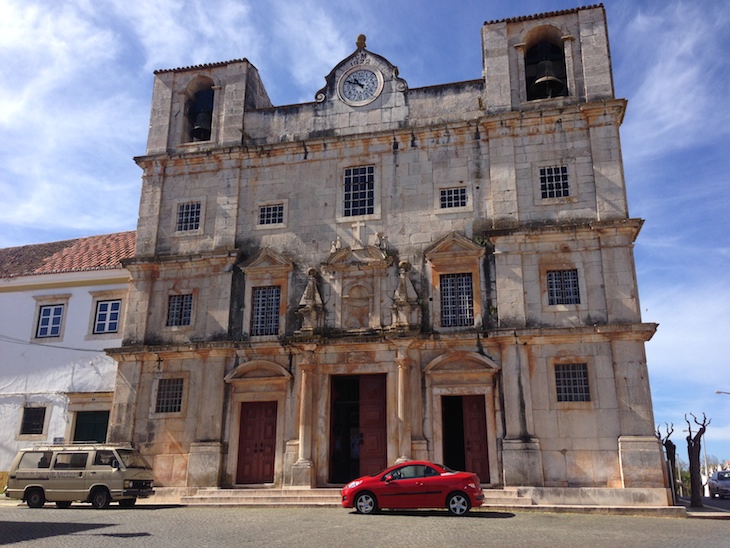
(387, 273)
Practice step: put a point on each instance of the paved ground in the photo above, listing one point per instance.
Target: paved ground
(158, 526)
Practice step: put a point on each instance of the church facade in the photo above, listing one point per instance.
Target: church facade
(321, 289)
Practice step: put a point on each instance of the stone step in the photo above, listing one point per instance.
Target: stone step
(329, 497)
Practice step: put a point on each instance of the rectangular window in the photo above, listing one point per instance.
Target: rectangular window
(49, 321)
(179, 309)
(563, 287)
(107, 316)
(359, 191)
(453, 197)
(554, 182)
(457, 300)
(265, 310)
(571, 382)
(188, 216)
(271, 214)
(169, 395)
(33, 420)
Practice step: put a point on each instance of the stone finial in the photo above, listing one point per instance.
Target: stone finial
(360, 41)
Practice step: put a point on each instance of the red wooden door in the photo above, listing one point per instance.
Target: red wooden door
(475, 436)
(373, 437)
(257, 442)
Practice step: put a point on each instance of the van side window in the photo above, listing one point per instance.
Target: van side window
(103, 458)
(71, 461)
(35, 459)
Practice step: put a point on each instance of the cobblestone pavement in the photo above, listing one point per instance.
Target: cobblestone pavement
(153, 526)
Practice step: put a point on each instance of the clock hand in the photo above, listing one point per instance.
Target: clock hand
(355, 82)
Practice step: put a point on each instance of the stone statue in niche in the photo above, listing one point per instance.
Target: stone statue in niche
(406, 311)
(311, 307)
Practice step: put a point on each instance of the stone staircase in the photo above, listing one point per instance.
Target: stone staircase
(313, 498)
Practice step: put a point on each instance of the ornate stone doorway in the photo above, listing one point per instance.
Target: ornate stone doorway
(465, 434)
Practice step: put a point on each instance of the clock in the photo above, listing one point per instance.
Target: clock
(360, 85)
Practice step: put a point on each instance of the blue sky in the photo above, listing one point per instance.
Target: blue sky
(76, 83)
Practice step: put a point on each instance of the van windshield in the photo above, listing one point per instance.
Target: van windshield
(132, 459)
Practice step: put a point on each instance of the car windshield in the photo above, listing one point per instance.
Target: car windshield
(723, 475)
(132, 459)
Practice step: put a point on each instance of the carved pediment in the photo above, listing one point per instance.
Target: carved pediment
(453, 245)
(461, 362)
(347, 258)
(267, 260)
(258, 369)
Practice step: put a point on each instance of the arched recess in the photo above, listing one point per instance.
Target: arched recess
(546, 75)
(256, 384)
(465, 375)
(199, 107)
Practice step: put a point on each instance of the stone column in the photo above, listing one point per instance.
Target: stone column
(303, 470)
(404, 407)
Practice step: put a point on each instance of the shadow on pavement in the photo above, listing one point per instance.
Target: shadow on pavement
(443, 514)
(18, 531)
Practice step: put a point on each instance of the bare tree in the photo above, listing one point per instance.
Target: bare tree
(671, 450)
(694, 447)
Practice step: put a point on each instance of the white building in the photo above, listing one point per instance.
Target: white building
(61, 305)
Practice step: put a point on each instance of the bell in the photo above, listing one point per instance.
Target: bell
(202, 125)
(547, 85)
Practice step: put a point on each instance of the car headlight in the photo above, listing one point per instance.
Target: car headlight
(127, 484)
(471, 485)
(353, 484)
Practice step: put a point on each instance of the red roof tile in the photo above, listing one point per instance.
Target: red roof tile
(78, 255)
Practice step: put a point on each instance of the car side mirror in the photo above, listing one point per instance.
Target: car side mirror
(388, 478)
(114, 463)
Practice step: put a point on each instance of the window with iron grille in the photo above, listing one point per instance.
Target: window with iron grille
(563, 287)
(49, 321)
(188, 216)
(359, 191)
(271, 214)
(33, 420)
(169, 395)
(453, 197)
(107, 316)
(554, 182)
(457, 300)
(265, 310)
(571, 382)
(179, 309)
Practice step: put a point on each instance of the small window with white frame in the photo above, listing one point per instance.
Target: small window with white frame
(108, 316)
(50, 316)
(271, 215)
(450, 198)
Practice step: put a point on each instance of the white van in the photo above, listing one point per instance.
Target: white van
(95, 473)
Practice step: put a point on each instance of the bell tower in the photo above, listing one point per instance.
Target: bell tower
(202, 107)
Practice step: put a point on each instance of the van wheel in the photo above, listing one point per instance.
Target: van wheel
(35, 498)
(63, 503)
(100, 498)
(127, 503)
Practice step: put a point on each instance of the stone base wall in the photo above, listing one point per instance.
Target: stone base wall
(596, 496)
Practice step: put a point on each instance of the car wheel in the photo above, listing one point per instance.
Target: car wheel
(365, 503)
(100, 498)
(35, 498)
(458, 504)
(63, 503)
(127, 503)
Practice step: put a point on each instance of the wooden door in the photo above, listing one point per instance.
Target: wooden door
(373, 436)
(475, 436)
(257, 442)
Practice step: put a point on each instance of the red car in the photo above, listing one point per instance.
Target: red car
(414, 484)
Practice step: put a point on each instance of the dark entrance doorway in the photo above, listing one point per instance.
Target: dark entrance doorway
(91, 426)
(358, 427)
(257, 442)
(465, 434)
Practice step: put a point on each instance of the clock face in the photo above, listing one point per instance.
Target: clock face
(360, 86)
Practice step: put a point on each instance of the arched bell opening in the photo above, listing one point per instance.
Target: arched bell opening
(199, 110)
(545, 73)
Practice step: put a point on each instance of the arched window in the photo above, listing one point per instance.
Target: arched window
(200, 110)
(545, 73)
